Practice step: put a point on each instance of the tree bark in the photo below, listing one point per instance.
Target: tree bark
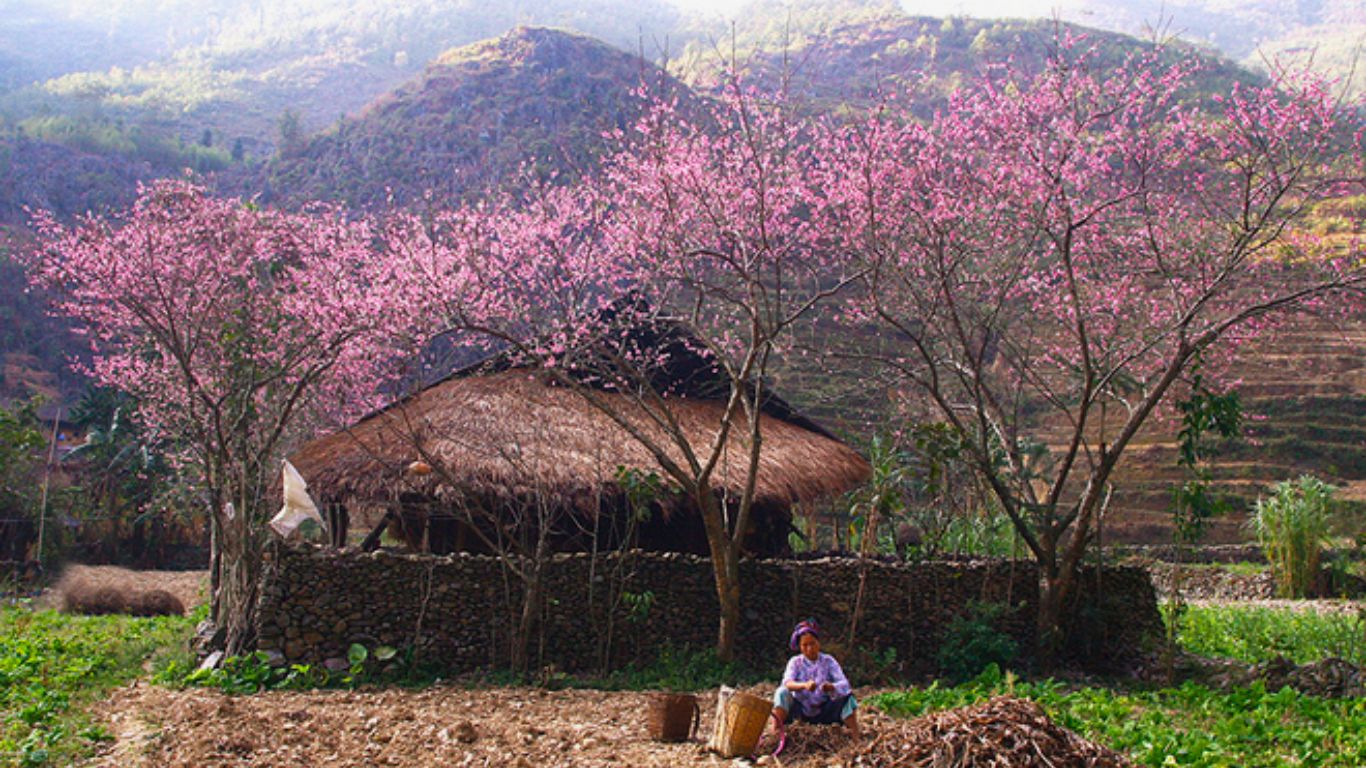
(236, 597)
(215, 564)
(726, 570)
(533, 591)
(1054, 589)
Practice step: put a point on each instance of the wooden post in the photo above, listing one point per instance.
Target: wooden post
(338, 524)
(371, 542)
(47, 477)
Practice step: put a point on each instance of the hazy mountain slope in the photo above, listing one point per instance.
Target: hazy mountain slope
(235, 66)
(1327, 34)
(832, 61)
(534, 95)
(1236, 27)
(46, 176)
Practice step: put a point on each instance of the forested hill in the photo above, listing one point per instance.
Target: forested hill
(832, 62)
(235, 67)
(534, 96)
(544, 97)
(45, 176)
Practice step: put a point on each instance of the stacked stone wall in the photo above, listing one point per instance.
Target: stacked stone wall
(604, 612)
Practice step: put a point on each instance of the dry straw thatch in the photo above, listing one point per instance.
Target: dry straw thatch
(96, 590)
(509, 434)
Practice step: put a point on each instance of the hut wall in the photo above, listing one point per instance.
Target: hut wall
(457, 610)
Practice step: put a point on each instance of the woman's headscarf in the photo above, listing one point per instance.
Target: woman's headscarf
(808, 627)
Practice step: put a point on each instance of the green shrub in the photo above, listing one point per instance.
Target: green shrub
(1292, 527)
(972, 642)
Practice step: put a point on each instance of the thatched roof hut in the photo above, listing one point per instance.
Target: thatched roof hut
(501, 437)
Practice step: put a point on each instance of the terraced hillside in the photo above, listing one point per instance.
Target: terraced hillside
(1305, 395)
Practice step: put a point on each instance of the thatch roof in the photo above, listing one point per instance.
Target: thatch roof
(507, 433)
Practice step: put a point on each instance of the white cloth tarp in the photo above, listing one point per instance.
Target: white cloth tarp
(298, 505)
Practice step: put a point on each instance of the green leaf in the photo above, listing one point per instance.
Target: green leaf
(357, 654)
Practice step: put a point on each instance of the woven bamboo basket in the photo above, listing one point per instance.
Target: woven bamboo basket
(673, 716)
(740, 721)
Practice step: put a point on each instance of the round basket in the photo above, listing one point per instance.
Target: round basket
(740, 723)
(673, 716)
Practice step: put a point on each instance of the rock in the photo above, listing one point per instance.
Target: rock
(465, 733)
(211, 661)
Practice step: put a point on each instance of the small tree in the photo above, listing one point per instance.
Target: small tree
(1054, 250)
(230, 327)
(688, 226)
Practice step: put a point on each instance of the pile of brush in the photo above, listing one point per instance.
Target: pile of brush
(1004, 732)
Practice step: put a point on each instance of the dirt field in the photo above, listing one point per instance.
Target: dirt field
(524, 727)
(444, 726)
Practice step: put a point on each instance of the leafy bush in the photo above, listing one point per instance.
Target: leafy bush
(1186, 726)
(986, 532)
(254, 672)
(1292, 527)
(972, 642)
(1261, 634)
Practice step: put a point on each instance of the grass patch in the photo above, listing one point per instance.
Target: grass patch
(1240, 568)
(1255, 634)
(53, 665)
(1186, 726)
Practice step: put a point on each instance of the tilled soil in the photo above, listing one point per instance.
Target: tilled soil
(439, 726)
(524, 727)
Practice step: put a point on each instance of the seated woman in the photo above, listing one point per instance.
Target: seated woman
(814, 688)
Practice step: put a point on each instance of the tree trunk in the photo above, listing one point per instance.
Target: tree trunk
(1054, 590)
(526, 623)
(236, 597)
(533, 587)
(215, 563)
(728, 592)
(725, 567)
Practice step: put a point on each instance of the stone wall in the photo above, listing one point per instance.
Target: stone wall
(459, 610)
